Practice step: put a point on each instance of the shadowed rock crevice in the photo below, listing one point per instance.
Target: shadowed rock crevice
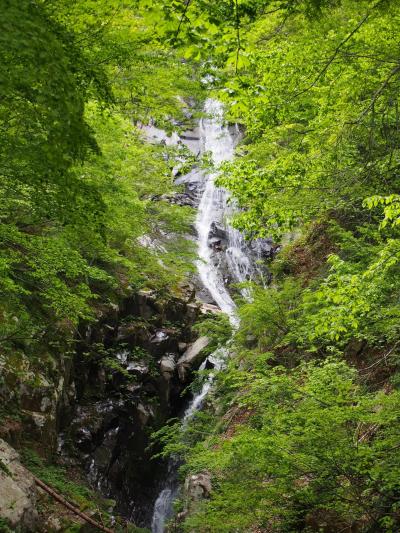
(130, 371)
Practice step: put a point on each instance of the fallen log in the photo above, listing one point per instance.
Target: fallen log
(69, 506)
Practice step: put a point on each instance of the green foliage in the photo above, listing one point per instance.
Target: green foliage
(302, 445)
(69, 485)
(265, 320)
(310, 99)
(391, 208)
(355, 303)
(315, 442)
(5, 527)
(4, 468)
(217, 328)
(57, 478)
(306, 437)
(77, 177)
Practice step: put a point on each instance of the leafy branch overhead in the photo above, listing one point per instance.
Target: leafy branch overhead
(76, 173)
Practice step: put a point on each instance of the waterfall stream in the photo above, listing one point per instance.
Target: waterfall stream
(217, 139)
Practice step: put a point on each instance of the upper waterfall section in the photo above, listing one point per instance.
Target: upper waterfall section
(216, 139)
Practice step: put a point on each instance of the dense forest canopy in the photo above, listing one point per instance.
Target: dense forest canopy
(302, 430)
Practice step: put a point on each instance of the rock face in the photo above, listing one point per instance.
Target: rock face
(178, 198)
(192, 358)
(37, 388)
(264, 248)
(122, 383)
(197, 487)
(17, 491)
(217, 231)
(130, 373)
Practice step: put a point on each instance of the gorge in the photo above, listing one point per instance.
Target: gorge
(114, 450)
(199, 266)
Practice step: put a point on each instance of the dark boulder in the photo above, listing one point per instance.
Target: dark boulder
(218, 231)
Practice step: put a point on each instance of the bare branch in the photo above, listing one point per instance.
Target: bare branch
(183, 17)
(238, 44)
(337, 50)
(379, 91)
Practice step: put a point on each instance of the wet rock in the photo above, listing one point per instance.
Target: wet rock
(119, 462)
(218, 231)
(91, 422)
(84, 439)
(177, 198)
(138, 368)
(142, 304)
(107, 315)
(167, 370)
(40, 427)
(104, 454)
(167, 366)
(191, 139)
(209, 308)
(108, 433)
(132, 333)
(263, 247)
(176, 171)
(39, 400)
(37, 396)
(122, 356)
(17, 491)
(159, 337)
(145, 413)
(182, 346)
(192, 180)
(192, 312)
(163, 341)
(192, 358)
(156, 135)
(216, 244)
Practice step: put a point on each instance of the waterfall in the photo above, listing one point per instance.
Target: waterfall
(217, 140)
(213, 208)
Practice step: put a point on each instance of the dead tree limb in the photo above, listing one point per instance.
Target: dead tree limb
(71, 507)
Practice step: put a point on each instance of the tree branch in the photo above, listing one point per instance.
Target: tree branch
(187, 4)
(379, 91)
(337, 50)
(71, 507)
(238, 44)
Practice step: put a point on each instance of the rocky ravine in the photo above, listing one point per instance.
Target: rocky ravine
(129, 374)
(126, 375)
(124, 381)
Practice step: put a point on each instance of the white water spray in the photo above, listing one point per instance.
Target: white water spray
(214, 208)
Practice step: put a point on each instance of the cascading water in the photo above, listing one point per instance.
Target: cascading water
(163, 506)
(213, 209)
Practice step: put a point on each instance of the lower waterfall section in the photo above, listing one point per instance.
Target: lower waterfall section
(163, 510)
